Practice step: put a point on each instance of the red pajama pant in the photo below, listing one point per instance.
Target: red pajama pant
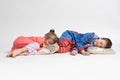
(65, 46)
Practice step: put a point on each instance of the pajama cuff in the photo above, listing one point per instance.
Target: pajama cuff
(32, 48)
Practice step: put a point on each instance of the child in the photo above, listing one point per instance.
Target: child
(30, 45)
(78, 43)
(50, 45)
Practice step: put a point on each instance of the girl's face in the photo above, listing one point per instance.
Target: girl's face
(100, 43)
(49, 41)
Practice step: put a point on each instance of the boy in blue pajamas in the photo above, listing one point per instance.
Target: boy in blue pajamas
(74, 42)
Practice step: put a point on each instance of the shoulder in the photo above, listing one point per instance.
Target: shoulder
(89, 34)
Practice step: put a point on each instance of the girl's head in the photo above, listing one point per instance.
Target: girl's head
(103, 43)
(51, 37)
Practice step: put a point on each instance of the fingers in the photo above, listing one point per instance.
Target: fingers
(73, 53)
(86, 53)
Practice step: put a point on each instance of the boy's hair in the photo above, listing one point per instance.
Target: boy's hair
(108, 42)
(51, 34)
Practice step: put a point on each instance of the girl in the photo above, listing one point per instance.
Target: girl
(30, 45)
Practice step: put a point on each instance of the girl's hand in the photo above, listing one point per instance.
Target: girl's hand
(74, 52)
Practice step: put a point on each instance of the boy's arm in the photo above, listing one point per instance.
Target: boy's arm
(85, 53)
(82, 44)
(74, 52)
(81, 48)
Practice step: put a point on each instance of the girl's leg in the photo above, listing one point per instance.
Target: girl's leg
(29, 49)
(9, 54)
(19, 51)
(18, 44)
(21, 42)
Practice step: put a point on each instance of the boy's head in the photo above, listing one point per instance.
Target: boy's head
(51, 37)
(103, 43)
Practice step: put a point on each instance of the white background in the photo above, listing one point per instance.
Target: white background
(36, 17)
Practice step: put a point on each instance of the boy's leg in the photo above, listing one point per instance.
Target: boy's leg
(64, 46)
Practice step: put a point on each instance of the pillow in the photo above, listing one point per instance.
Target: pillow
(97, 50)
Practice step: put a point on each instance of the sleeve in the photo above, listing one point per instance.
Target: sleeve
(68, 34)
(81, 45)
(75, 48)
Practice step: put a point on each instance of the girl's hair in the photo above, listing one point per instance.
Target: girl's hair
(108, 42)
(51, 34)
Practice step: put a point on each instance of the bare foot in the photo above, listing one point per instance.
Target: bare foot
(16, 52)
(9, 54)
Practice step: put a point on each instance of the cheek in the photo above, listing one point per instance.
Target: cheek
(50, 41)
(95, 43)
(46, 42)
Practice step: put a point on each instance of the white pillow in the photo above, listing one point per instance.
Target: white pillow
(96, 50)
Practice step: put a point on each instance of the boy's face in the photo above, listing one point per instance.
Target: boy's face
(100, 43)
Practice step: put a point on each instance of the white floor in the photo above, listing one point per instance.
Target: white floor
(61, 67)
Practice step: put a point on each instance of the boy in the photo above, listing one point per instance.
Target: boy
(78, 43)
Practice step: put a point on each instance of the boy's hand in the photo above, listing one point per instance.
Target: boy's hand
(74, 52)
(85, 53)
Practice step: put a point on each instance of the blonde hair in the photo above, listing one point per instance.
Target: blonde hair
(51, 34)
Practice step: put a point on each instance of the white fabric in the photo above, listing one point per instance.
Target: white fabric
(96, 50)
(49, 49)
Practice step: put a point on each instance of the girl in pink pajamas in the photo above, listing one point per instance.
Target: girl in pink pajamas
(31, 45)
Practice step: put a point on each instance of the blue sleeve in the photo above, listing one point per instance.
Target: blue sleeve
(65, 35)
(81, 45)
